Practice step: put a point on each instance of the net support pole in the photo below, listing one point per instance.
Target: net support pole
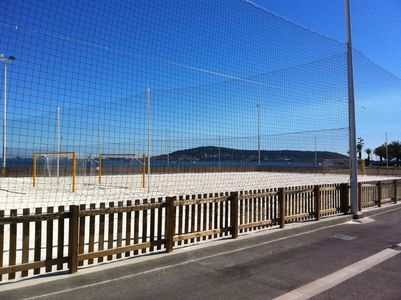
(315, 151)
(219, 150)
(386, 150)
(34, 170)
(351, 117)
(258, 117)
(74, 170)
(148, 96)
(58, 142)
(99, 168)
(143, 170)
(98, 139)
(3, 168)
(5, 61)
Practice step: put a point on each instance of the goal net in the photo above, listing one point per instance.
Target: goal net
(121, 170)
(52, 169)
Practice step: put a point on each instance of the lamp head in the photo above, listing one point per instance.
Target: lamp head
(6, 59)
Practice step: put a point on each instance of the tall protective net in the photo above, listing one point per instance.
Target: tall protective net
(378, 115)
(211, 96)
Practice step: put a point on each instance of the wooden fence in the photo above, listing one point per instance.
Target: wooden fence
(373, 194)
(57, 239)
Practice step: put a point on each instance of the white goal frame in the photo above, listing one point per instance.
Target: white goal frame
(134, 155)
(74, 166)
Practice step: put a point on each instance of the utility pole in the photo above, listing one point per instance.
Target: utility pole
(5, 61)
(351, 117)
(258, 113)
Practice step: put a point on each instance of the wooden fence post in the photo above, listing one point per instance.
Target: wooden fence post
(316, 193)
(170, 223)
(234, 214)
(395, 191)
(379, 194)
(281, 205)
(344, 197)
(359, 196)
(73, 239)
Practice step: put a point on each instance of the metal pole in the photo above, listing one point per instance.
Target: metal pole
(315, 152)
(5, 60)
(351, 117)
(219, 151)
(3, 169)
(98, 152)
(148, 94)
(386, 151)
(258, 113)
(58, 141)
(98, 139)
(168, 147)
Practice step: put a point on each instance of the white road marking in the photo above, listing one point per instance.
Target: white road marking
(327, 282)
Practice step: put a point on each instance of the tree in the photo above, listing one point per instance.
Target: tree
(359, 147)
(380, 152)
(368, 151)
(394, 150)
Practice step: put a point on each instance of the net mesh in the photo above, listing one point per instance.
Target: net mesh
(377, 113)
(218, 95)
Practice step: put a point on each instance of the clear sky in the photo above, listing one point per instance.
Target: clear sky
(376, 24)
(376, 32)
(208, 63)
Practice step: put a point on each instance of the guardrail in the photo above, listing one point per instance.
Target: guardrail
(46, 240)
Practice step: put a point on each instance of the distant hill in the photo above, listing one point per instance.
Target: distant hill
(211, 153)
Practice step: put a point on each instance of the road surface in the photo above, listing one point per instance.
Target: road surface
(347, 261)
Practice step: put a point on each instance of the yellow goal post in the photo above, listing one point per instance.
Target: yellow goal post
(136, 156)
(74, 165)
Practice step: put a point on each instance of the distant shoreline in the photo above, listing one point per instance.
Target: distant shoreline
(27, 162)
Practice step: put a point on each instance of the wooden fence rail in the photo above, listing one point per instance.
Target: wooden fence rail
(55, 238)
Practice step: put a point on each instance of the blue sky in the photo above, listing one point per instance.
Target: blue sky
(376, 31)
(376, 24)
(207, 63)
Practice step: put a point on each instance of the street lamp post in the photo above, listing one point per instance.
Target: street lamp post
(5, 61)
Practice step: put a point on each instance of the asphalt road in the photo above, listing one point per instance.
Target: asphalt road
(264, 266)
